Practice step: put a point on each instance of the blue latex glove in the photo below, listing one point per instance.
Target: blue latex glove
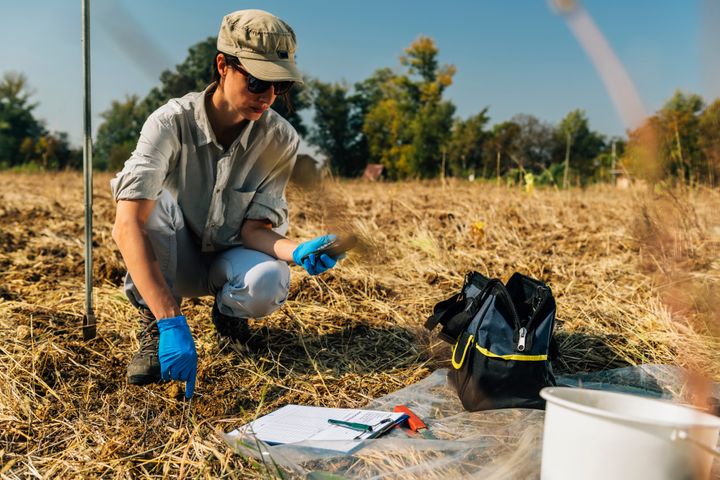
(176, 352)
(313, 263)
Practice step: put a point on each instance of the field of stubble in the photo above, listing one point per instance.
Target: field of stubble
(635, 275)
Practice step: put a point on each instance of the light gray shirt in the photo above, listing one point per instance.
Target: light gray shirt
(216, 188)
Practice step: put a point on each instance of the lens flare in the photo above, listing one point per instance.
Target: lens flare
(618, 83)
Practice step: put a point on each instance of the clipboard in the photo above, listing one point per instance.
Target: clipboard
(309, 426)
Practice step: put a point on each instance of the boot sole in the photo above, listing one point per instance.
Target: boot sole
(143, 379)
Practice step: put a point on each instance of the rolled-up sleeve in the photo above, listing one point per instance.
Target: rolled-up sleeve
(268, 207)
(269, 201)
(144, 172)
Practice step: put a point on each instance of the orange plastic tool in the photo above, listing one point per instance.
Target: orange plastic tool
(413, 420)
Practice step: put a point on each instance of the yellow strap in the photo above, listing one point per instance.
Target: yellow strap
(523, 358)
(462, 360)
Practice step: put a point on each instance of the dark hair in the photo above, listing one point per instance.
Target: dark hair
(230, 59)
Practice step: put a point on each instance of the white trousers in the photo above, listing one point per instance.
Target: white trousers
(246, 283)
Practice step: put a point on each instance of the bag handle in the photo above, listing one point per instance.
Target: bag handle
(682, 435)
(459, 351)
(453, 321)
(440, 311)
(444, 308)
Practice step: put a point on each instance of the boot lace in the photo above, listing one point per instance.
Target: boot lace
(149, 334)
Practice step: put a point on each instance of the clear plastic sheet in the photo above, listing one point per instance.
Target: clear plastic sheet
(495, 444)
(662, 381)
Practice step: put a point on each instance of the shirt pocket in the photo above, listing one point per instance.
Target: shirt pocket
(237, 204)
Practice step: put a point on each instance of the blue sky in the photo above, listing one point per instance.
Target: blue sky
(511, 56)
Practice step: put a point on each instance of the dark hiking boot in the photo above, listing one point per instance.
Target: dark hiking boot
(144, 367)
(232, 333)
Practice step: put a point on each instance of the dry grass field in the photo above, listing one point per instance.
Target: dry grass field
(635, 275)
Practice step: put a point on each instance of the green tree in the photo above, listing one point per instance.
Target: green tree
(679, 121)
(568, 128)
(118, 134)
(499, 149)
(387, 123)
(192, 75)
(673, 143)
(431, 133)
(582, 146)
(389, 138)
(421, 59)
(52, 152)
(709, 141)
(366, 94)
(19, 130)
(408, 129)
(465, 148)
(66, 156)
(369, 92)
(337, 130)
(433, 117)
(607, 164)
(535, 143)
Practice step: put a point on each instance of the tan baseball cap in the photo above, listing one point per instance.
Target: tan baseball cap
(264, 44)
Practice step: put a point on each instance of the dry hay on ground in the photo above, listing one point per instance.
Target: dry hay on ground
(343, 338)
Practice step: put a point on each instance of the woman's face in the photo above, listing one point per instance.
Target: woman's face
(240, 100)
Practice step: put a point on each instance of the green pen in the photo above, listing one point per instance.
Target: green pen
(352, 425)
(362, 427)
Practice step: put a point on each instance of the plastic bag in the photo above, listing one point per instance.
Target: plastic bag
(494, 444)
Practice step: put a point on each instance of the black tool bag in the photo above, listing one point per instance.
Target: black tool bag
(503, 341)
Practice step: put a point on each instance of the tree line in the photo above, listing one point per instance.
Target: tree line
(24, 140)
(400, 118)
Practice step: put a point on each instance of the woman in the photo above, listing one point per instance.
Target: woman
(201, 202)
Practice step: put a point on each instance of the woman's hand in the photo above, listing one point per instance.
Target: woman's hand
(307, 256)
(176, 352)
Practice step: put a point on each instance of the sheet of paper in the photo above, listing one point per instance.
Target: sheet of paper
(297, 423)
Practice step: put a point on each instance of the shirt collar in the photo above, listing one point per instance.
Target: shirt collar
(201, 119)
(245, 135)
(203, 123)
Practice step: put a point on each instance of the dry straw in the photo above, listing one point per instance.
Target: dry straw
(343, 338)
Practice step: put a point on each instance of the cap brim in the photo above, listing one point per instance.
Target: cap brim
(272, 71)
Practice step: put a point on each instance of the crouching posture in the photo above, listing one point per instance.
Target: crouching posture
(201, 206)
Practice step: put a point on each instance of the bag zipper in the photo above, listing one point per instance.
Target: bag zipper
(522, 330)
(521, 339)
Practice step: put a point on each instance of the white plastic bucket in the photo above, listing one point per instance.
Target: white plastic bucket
(597, 435)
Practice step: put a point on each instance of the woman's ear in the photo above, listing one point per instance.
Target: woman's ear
(222, 65)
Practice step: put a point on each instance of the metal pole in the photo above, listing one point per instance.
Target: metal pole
(89, 330)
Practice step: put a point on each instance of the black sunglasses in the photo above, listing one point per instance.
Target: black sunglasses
(255, 85)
